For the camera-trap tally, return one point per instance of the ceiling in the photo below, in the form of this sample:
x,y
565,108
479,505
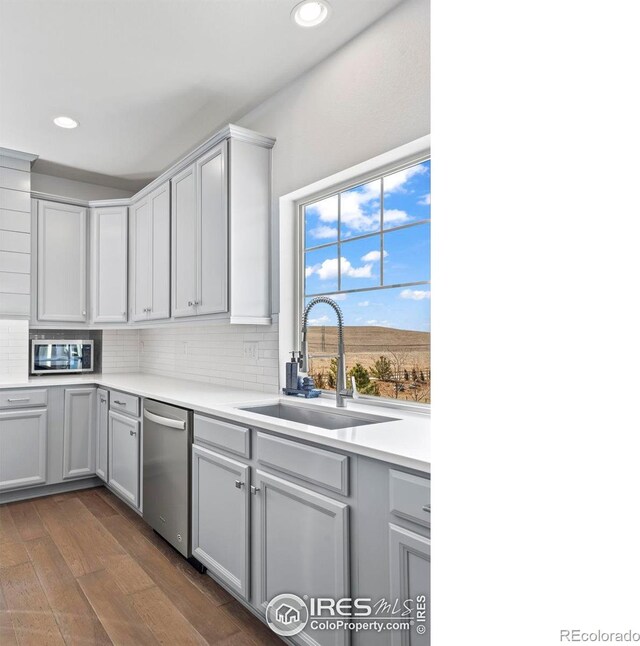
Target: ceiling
x,y
148,79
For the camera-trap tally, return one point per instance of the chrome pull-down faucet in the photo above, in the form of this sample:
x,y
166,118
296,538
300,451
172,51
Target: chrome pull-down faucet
x,y
341,379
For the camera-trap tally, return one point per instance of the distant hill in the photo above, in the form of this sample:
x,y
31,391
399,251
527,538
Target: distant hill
x,y
368,338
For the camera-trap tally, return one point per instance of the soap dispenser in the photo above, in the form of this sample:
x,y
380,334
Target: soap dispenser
x,y
292,373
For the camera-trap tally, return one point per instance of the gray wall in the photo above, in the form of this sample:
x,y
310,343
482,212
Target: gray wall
x,y
369,97
72,188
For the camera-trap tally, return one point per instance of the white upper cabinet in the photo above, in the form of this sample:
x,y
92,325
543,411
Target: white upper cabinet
x,y
62,262
184,243
211,217
220,228
109,264
199,233
150,249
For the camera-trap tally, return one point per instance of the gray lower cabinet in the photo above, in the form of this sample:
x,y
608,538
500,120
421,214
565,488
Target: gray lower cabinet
x,y
102,434
79,457
221,522
302,548
410,574
124,456
23,448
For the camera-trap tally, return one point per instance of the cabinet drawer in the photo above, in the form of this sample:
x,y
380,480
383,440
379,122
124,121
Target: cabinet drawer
x,y
309,463
21,398
129,404
410,497
222,435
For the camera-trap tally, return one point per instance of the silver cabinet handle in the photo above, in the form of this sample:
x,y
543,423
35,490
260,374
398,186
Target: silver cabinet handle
x,y
254,490
115,401
196,302
165,421
239,484
132,433
426,508
190,303
19,399
104,401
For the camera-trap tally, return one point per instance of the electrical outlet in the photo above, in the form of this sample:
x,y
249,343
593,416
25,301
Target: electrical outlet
x,y
251,350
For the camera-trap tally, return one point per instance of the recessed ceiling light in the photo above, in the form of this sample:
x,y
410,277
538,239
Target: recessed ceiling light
x,y
311,12
65,122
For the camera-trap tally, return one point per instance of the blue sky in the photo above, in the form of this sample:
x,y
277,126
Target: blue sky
x,y
406,257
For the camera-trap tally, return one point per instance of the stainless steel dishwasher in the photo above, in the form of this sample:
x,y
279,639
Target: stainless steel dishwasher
x,y
166,461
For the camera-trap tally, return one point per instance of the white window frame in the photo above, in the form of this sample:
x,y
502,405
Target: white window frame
x,y
291,247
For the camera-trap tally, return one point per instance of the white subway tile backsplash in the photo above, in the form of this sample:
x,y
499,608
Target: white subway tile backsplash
x,y
210,353
14,351
120,351
213,353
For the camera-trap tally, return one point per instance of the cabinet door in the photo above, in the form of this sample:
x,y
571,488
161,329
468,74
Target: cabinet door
x,y
302,548
23,448
124,456
410,575
160,253
184,247
212,234
62,262
102,434
79,432
220,522
142,259
150,251
109,265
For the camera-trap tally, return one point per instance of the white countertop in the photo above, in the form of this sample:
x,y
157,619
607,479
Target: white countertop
x,y
404,441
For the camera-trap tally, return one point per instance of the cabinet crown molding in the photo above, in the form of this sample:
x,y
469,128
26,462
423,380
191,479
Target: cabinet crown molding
x,y
230,131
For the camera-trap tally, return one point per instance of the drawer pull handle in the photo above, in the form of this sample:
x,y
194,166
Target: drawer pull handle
x,y
132,433
115,401
239,484
254,490
19,399
426,508
104,401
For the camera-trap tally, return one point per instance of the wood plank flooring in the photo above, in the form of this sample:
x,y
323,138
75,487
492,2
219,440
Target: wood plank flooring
x,y
82,568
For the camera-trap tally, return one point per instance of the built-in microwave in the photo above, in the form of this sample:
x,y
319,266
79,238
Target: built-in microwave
x,y
60,355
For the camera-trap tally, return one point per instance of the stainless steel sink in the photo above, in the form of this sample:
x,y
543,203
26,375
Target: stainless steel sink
x,y
320,418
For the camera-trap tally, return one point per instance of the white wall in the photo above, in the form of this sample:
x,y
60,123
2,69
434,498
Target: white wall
x,y
370,96
71,188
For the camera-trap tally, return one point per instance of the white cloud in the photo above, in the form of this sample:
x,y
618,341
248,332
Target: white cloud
x,y
323,232
373,256
329,269
395,183
395,216
376,322
360,207
321,320
338,297
363,304
425,200
415,294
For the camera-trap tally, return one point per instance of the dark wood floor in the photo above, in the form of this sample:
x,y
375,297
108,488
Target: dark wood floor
x,y
83,568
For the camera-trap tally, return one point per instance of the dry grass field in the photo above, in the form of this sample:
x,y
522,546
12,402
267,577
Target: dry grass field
x,y
408,354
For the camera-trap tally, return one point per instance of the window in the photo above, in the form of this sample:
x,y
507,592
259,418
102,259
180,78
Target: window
x,y
369,248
